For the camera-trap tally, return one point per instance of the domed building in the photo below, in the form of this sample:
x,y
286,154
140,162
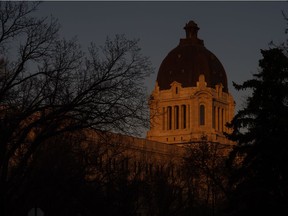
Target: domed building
x,y
191,98
190,104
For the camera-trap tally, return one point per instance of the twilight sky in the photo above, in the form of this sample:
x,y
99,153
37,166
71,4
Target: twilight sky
x,y
234,31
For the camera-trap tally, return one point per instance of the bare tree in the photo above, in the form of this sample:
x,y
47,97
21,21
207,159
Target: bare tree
x,y
205,174
49,86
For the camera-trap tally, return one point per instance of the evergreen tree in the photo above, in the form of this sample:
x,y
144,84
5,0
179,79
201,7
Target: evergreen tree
x,y
259,161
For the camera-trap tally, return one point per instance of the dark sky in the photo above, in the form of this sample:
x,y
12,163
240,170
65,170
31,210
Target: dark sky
x,y
234,31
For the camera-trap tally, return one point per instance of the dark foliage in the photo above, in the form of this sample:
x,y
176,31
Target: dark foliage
x,y
259,162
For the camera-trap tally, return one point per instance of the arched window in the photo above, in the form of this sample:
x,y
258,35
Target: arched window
x,y
214,117
219,120
183,111
176,108
169,118
202,114
222,120
163,118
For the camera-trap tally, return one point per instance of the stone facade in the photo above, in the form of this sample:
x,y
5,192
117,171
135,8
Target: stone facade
x,y
181,115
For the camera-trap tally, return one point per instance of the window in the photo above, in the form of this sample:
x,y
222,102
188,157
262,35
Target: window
x,y
183,116
202,115
213,117
163,119
176,90
222,120
183,111
176,109
169,118
218,116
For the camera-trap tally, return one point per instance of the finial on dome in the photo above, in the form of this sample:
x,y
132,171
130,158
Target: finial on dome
x,y
191,29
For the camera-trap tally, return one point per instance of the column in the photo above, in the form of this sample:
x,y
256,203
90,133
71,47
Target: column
x,y
223,119
216,118
163,118
169,118
220,119
176,117
172,118
180,117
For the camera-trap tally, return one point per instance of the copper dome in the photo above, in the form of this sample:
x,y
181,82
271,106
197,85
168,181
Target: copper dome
x,y
188,61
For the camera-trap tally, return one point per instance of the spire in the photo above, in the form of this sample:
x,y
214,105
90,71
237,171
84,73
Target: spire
x,y
191,29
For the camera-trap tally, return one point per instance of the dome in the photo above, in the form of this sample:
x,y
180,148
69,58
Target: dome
x,y
190,59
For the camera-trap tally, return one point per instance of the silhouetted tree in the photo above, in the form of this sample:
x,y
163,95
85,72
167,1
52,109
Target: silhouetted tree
x,y
54,180
205,177
49,86
259,161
